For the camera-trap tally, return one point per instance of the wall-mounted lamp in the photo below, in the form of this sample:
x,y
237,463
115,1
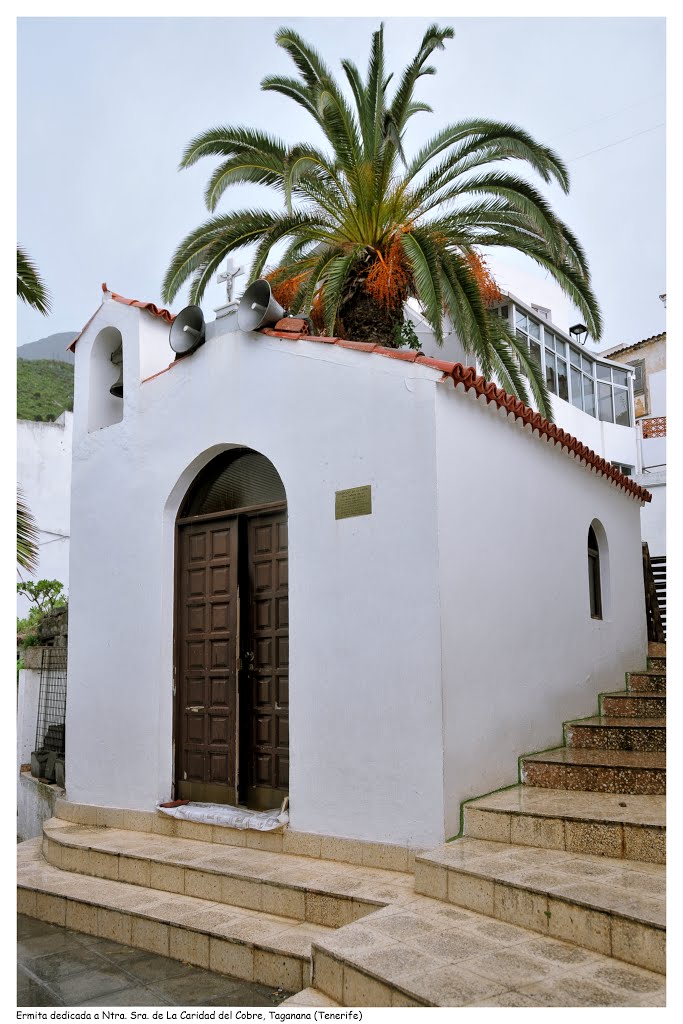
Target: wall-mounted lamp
x,y
577,330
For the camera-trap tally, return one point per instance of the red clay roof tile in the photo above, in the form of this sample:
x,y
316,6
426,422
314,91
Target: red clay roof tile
x,y
471,380
459,374
150,307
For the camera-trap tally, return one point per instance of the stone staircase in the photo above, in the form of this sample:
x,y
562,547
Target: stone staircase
x,y
553,895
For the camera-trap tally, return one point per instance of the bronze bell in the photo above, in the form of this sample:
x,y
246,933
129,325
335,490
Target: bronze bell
x,y
117,359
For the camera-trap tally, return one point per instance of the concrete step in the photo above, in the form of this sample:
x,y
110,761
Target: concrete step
x,y
250,945
606,824
614,907
631,704
616,733
597,771
317,891
430,953
649,681
284,840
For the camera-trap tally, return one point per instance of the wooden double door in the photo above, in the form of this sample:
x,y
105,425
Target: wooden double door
x,y
232,658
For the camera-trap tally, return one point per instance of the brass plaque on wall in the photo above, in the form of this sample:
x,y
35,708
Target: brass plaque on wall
x,y
355,501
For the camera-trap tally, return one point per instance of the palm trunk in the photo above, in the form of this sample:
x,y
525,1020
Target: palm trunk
x,y
362,318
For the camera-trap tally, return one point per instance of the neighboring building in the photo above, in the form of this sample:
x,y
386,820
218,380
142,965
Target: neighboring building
x,y
592,397
356,576
44,475
647,358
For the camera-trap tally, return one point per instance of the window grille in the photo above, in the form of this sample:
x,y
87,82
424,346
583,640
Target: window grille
x,y
52,701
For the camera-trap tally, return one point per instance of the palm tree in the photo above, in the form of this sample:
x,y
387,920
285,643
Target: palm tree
x,y
30,289
363,225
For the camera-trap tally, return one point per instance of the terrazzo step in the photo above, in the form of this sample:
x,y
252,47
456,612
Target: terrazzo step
x,y
614,907
657,663
309,997
656,650
429,953
631,704
650,681
602,733
596,771
250,945
317,891
607,824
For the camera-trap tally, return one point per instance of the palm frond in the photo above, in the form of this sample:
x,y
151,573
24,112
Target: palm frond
x,y
30,287
27,536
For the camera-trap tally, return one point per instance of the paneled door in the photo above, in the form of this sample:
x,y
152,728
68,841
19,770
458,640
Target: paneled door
x,y
206,660
232,658
265,656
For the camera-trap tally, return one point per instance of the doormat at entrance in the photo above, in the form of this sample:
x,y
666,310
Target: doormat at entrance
x,y
230,817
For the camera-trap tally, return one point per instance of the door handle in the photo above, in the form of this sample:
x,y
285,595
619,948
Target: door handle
x,y
195,708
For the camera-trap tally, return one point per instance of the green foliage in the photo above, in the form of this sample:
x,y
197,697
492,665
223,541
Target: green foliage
x,y
406,336
45,388
46,597
363,219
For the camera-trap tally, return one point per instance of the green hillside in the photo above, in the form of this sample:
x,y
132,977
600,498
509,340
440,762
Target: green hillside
x,y
45,388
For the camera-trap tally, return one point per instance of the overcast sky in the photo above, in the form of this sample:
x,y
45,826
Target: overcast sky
x,y
106,107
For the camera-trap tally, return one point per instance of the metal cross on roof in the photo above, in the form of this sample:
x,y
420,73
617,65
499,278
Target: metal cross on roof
x,y
229,275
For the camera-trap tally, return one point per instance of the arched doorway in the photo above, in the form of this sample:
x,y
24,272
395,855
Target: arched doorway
x,y
232,635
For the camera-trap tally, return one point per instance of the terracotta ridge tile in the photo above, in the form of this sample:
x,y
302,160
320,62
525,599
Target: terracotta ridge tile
x,y
468,377
150,307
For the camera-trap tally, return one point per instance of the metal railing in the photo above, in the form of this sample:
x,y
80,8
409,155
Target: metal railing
x,y
655,627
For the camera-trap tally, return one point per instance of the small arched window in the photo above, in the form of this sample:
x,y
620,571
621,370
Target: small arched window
x,y
594,587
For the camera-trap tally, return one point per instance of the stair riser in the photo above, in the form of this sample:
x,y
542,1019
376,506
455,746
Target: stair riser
x,y
657,663
601,838
249,962
639,682
594,778
656,650
601,737
633,707
329,909
350,986
635,942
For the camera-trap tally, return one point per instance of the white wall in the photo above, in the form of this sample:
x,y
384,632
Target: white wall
x,y
654,448
365,700
520,650
28,697
44,475
609,440
653,514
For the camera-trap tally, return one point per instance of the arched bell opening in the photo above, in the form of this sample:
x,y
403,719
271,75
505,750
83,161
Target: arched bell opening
x,y
232,634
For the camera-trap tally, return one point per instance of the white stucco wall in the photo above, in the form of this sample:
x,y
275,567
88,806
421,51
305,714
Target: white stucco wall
x,y
44,475
654,448
382,607
520,650
365,699
28,697
653,515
